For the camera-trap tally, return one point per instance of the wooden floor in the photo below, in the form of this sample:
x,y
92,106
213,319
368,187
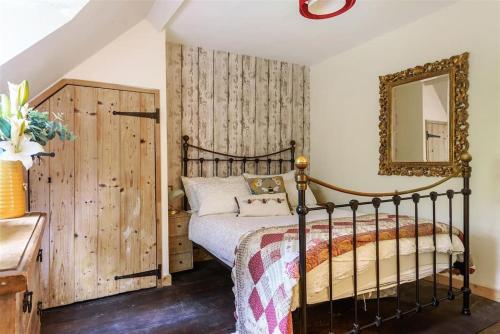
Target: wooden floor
x,y
201,301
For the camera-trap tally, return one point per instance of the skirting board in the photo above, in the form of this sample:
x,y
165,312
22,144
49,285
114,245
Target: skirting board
x,y
476,289
166,280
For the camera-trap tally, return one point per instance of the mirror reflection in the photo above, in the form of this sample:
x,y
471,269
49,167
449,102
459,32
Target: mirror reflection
x,y
421,120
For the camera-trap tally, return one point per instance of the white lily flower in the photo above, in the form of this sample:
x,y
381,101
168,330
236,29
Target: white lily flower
x,y
26,149
18,95
24,111
5,106
18,126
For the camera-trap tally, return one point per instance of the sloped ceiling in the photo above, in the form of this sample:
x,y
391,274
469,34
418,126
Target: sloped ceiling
x,y
97,24
271,29
274,29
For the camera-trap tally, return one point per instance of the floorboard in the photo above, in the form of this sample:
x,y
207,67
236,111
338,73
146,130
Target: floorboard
x,y
201,301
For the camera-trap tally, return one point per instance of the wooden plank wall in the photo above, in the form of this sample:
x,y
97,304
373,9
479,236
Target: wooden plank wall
x,y
233,103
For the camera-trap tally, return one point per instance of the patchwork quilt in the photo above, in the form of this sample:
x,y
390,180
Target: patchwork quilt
x,y
266,267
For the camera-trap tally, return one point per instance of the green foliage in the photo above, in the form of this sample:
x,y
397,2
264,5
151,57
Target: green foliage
x,y
42,129
4,129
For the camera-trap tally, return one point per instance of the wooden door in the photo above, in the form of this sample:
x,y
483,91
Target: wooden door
x,y
102,194
437,142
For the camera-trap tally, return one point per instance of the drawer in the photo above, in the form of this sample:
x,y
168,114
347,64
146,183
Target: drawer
x,y
180,262
177,227
180,244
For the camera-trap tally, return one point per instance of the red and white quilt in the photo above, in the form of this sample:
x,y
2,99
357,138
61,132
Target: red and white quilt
x,y
266,265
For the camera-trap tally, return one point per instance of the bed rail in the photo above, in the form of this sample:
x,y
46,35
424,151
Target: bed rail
x,y
377,198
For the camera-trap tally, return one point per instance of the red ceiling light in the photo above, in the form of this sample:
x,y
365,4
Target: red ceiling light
x,y
304,10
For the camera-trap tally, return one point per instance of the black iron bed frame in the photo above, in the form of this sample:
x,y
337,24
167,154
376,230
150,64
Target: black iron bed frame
x,y
376,200
302,180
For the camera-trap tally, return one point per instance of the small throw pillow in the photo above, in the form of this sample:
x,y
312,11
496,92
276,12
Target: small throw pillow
x,y
263,205
218,197
266,185
291,188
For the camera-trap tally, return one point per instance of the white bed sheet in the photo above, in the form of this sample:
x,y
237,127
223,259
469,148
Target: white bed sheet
x,y
220,234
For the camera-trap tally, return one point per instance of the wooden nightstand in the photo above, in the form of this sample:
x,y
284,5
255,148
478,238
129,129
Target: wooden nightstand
x,y
180,247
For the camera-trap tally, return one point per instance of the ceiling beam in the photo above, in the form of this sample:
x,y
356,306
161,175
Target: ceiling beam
x,y
162,11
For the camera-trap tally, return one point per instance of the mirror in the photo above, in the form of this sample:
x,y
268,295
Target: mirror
x,y
423,118
420,120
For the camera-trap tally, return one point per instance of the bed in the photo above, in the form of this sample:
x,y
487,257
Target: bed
x,y
221,234
270,256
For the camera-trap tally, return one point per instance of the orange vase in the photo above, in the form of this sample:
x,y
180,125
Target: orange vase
x,y
12,194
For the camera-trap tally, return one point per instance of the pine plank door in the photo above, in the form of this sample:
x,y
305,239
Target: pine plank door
x,y
137,229
102,195
437,142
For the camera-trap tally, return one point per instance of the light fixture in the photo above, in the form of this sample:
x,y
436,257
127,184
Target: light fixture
x,y
173,194
304,9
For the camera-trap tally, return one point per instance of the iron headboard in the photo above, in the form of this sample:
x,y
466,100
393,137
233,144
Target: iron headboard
x,y
234,160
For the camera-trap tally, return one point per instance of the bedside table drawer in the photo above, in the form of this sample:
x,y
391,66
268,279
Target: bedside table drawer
x,y
180,262
177,227
180,244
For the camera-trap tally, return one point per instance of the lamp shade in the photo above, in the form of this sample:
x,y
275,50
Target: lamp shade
x,y
175,194
304,10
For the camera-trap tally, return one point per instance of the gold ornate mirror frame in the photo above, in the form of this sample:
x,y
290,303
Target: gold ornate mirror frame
x,y
458,69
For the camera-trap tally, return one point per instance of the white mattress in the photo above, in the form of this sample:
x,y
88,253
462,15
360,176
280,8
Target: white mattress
x,y
317,279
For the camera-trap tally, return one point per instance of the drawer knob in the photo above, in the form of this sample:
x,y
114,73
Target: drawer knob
x,y
180,243
179,226
180,262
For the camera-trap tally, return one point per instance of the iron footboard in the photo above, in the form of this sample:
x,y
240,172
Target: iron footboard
x,y
396,198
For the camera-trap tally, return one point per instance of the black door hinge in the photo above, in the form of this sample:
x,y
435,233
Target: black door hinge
x,y
430,135
27,301
39,257
154,272
44,154
49,180
153,115
39,309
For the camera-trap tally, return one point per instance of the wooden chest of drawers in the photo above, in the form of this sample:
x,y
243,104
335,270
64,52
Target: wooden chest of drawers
x,y
180,247
20,258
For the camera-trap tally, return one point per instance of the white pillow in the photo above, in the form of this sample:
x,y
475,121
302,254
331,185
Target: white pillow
x,y
190,184
263,205
291,188
218,197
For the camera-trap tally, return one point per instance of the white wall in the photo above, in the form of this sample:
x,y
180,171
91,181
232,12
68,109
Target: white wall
x,y
136,58
345,109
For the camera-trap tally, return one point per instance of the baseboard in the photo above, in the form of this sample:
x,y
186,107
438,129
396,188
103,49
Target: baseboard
x,y
479,290
166,280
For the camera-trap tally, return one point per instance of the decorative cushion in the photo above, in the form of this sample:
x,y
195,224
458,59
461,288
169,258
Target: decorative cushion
x,y
266,185
218,197
291,188
263,205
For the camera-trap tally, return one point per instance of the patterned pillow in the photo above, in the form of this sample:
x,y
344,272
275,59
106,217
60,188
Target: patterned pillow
x,y
266,185
263,205
290,187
